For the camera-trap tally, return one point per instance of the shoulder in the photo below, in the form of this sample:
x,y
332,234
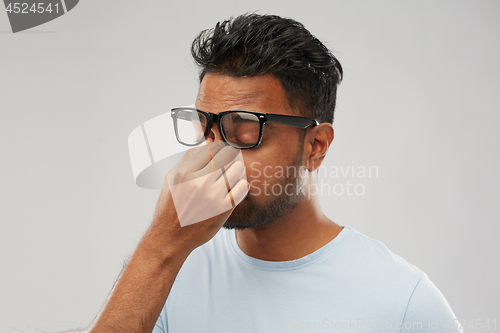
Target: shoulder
x,y
428,308
376,256
393,275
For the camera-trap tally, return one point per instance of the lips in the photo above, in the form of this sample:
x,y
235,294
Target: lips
x,y
26,14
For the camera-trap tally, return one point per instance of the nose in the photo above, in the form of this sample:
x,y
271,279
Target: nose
x,y
213,134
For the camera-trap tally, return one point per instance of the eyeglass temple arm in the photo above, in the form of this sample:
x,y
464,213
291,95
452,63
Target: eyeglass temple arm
x,y
282,119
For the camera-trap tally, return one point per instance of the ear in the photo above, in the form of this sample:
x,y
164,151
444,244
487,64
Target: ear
x,y
320,138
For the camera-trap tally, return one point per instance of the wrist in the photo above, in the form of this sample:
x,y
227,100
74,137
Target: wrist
x,y
162,245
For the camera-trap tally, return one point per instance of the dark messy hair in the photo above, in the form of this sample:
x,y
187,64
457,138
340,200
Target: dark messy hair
x,y
253,44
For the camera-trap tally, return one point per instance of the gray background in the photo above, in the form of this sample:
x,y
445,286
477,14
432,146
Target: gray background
x,y
420,101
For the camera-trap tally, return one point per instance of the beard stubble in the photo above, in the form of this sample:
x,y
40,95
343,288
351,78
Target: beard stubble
x,y
250,214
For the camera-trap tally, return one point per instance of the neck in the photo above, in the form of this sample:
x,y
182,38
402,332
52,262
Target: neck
x,y
297,234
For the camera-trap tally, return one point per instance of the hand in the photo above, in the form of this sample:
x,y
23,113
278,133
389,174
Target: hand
x,y
200,193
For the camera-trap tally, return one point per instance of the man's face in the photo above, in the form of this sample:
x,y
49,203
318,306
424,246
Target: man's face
x,y
280,151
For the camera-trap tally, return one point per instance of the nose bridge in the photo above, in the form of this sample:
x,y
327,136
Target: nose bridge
x,y
213,131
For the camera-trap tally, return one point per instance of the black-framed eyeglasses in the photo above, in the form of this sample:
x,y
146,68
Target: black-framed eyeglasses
x,y
238,128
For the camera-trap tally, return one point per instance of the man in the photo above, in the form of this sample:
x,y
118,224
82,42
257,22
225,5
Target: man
x,y
274,262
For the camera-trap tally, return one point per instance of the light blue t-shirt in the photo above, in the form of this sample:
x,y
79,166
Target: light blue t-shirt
x,y
352,284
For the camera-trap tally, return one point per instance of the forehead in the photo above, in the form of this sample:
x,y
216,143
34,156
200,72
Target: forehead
x,y
263,93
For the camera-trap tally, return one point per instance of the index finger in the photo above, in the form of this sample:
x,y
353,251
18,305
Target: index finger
x,y
200,156
224,158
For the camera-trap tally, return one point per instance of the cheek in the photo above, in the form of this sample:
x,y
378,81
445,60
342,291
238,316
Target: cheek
x,y
262,176
267,164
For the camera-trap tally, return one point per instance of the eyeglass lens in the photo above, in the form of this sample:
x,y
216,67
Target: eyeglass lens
x,y
241,129
190,126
